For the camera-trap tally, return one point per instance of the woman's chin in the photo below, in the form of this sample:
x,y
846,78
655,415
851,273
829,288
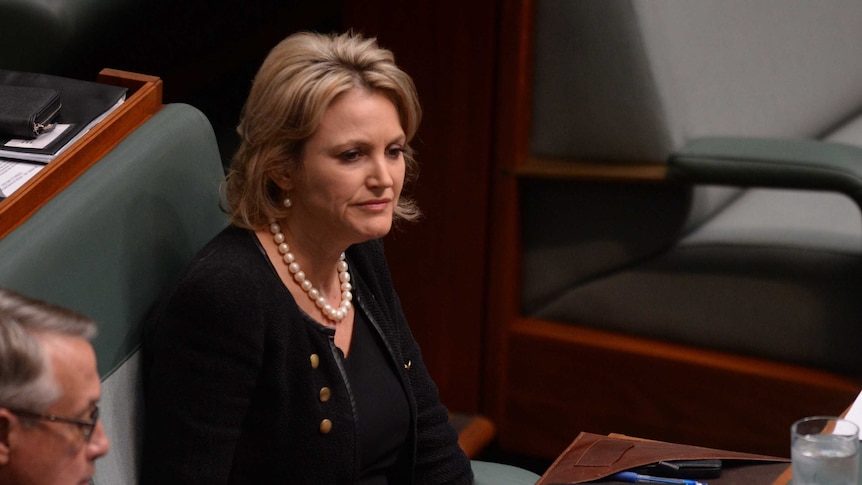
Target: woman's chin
x,y
377,231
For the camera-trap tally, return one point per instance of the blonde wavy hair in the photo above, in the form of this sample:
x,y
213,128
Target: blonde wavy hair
x,y
295,85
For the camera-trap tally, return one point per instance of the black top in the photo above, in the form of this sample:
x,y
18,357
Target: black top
x,y
233,370
382,414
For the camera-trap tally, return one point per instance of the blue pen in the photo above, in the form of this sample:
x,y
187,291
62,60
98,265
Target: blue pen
x,y
632,477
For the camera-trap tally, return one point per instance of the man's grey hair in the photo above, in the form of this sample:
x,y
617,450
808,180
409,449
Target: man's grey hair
x,y
26,378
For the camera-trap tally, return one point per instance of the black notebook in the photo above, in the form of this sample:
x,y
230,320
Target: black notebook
x,y
84,103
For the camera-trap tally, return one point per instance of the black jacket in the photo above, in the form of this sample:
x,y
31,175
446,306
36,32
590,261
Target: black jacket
x,y
231,393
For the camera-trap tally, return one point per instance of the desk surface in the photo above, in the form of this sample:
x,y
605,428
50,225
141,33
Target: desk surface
x,y
144,100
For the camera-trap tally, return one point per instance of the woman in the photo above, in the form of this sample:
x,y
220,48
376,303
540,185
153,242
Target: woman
x,y
282,354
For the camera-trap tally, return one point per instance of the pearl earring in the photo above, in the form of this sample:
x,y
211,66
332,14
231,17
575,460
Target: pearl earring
x,y
287,202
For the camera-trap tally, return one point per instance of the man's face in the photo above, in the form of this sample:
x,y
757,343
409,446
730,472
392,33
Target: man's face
x,y
43,452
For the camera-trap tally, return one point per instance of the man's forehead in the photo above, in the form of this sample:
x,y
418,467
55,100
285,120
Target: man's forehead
x,y
73,363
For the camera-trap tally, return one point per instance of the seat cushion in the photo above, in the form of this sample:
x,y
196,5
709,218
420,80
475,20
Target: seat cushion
x,y
489,473
785,304
808,220
775,274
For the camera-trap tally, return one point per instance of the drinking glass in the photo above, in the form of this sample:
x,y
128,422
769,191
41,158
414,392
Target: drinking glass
x,y
824,451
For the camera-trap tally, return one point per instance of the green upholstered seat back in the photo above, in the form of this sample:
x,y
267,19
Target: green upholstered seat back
x,y
109,243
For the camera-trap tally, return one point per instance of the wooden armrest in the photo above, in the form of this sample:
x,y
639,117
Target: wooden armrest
x,y
475,432
585,170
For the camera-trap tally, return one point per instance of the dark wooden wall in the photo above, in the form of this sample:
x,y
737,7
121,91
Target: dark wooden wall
x,y
440,264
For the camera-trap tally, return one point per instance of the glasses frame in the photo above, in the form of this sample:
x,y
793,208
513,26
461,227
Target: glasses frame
x,y
86,426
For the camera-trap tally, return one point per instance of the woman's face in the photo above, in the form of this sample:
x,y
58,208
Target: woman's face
x,y
352,171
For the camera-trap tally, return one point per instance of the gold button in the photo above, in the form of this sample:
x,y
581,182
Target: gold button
x,y
315,361
325,393
325,426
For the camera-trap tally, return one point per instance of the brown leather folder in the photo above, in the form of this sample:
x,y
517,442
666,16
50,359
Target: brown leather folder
x,y
593,457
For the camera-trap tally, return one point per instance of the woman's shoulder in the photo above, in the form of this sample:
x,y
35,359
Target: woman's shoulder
x,y
230,243
233,247
229,280
232,260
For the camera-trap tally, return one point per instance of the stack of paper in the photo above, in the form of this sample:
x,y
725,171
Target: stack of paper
x,y
854,414
84,104
14,174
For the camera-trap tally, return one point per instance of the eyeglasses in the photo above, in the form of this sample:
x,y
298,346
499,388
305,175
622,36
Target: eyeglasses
x,y
86,426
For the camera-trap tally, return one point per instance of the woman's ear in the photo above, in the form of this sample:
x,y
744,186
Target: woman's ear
x,y
281,176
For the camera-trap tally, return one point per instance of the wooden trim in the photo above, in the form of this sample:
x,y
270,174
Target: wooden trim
x,y
683,354
599,171
475,432
144,100
511,146
784,478
565,379
134,82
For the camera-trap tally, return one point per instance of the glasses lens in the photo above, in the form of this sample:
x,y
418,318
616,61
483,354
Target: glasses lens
x,y
86,426
94,418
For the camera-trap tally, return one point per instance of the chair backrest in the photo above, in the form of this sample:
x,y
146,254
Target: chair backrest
x,y
633,79
619,81
109,243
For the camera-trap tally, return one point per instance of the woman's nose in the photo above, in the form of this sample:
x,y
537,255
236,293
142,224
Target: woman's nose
x,y
380,172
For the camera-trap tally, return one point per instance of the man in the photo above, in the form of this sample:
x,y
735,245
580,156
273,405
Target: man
x,y
49,393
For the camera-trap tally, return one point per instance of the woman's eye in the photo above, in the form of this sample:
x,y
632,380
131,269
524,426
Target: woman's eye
x,y
396,152
350,155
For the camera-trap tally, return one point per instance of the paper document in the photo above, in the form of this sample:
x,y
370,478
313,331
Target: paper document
x,y
855,413
41,141
15,174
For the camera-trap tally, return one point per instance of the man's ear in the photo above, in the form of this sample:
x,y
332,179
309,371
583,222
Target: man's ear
x,y
6,422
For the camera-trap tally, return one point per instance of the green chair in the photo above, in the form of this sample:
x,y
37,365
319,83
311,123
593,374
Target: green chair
x,y
109,243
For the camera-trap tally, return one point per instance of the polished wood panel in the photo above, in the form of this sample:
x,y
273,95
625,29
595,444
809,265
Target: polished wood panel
x,y
144,100
593,171
564,379
511,148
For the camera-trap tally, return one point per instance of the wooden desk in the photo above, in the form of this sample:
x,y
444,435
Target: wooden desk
x,y
143,101
784,478
594,457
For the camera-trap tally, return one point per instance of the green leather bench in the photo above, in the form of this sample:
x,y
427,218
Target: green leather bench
x,y
107,245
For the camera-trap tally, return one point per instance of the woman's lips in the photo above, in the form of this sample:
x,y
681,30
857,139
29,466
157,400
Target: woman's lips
x,y
375,204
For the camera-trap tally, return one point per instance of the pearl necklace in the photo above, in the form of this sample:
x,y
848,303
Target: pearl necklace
x,y
333,314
